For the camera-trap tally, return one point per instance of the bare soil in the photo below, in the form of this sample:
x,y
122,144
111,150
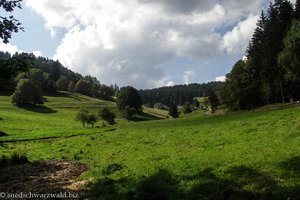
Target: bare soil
x,y
43,177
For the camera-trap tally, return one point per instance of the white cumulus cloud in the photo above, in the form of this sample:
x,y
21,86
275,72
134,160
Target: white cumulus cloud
x,y
221,78
37,53
129,42
236,40
188,77
10,48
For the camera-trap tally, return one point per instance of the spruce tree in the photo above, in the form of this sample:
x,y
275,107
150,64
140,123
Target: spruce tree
x,y
278,23
297,10
289,59
173,111
255,55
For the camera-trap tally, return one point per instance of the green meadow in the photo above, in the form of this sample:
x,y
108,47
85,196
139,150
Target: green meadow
x,y
240,155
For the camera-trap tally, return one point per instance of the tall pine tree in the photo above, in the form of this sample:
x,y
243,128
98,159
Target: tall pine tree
x,y
261,80
297,10
278,23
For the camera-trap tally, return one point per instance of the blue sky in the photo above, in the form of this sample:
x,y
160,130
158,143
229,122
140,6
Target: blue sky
x,y
143,43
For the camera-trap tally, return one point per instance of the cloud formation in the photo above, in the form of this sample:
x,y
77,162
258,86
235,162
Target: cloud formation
x,y
9,48
221,78
188,77
129,42
12,49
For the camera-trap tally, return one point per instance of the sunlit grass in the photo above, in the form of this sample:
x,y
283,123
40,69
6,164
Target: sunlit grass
x,y
236,150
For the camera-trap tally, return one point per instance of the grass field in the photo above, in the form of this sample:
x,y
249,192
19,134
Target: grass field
x,y
245,155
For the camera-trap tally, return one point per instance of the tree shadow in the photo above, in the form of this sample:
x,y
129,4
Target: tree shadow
x,y
38,109
161,185
238,183
3,134
144,117
291,166
76,96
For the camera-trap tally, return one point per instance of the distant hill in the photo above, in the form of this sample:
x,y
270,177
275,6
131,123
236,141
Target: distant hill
x,y
49,75
179,93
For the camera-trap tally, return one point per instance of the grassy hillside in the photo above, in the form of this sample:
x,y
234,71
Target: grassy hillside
x,y
242,155
54,119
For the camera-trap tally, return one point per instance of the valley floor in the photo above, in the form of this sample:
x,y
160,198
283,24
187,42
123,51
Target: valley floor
x,y
243,155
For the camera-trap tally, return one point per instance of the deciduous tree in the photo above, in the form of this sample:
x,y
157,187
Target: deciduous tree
x,y
106,115
83,116
27,93
84,87
129,98
187,108
9,25
62,83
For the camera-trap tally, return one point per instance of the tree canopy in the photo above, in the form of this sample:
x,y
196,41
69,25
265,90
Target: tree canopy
x,y
129,96
178,93
27,93
173,110
10,24
107,115
265,77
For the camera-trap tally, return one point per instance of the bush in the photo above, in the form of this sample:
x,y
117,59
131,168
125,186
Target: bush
x,y
213,101
92,119
106,115
27,93
128,112
196,103
83,116
187,108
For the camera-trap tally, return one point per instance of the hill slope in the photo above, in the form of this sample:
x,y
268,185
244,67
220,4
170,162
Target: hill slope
x,y
242,155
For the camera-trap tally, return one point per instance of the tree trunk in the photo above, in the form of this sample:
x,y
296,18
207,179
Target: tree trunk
x,y
281,90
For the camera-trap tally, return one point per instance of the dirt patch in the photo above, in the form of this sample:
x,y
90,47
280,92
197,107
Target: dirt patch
x,y
43,177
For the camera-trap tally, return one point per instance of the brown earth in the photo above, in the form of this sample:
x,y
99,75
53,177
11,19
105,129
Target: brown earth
x,y
44,177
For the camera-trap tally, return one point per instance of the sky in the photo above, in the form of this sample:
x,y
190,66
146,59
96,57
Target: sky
x,y
142,43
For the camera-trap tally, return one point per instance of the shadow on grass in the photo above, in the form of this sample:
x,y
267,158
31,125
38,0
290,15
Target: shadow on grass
x,y
291,167
238,183
67,95
38,109
144,117
3,134
76,96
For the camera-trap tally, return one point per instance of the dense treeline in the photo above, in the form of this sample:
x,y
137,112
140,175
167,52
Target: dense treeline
x,y
179,93
49,76
271,72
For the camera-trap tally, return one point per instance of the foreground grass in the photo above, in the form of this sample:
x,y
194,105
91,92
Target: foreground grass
x,y
239,156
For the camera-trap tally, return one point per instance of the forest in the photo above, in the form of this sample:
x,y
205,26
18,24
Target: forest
x,y
271,72
49,76
179,93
